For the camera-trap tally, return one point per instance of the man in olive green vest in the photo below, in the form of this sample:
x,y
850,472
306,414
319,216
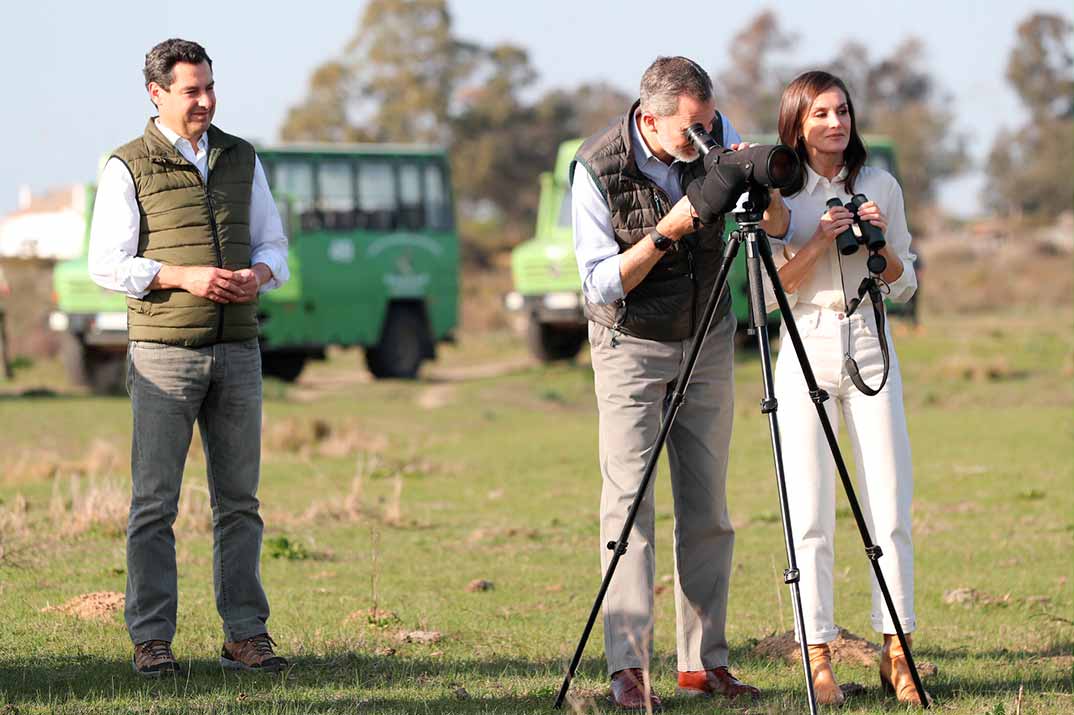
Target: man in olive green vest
x,y
184,224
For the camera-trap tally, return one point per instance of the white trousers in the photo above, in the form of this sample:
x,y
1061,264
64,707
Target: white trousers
x,y
883,470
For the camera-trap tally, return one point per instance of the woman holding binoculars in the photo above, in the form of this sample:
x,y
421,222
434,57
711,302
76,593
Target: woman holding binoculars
x,y
816,119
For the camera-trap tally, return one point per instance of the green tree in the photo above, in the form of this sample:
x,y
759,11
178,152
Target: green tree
x,y
754,82
1041,64
897,96
395,81
1030,172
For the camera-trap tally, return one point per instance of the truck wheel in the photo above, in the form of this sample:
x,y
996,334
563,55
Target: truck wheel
x,y
107,371
402,345
286,366
73,357
104,372
552,342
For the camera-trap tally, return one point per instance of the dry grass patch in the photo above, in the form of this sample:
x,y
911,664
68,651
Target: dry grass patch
x,y
980,370
89,503
317,436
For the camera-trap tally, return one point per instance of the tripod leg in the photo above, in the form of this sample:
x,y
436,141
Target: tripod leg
x,y
769,407
872,551
682,382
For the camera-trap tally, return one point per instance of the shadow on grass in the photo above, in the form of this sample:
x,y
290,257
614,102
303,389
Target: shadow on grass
x,y
374,681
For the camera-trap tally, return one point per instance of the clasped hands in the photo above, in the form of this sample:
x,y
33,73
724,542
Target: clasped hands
x,y
221,285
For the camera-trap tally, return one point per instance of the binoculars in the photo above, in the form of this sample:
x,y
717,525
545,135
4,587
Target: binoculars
x,y
859,233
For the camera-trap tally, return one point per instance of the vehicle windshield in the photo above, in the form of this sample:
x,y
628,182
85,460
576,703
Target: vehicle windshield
x,y
564,220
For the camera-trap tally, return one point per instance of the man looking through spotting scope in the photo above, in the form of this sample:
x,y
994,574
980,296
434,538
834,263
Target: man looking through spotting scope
x,y
648,268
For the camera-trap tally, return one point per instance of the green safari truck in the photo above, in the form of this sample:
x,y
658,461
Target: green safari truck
x,y
373,256
547,289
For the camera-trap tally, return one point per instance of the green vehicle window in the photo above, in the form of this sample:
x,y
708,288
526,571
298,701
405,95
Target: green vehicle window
x,y
335,183
376,195
411,213
335,194
294,179
437,208
564,220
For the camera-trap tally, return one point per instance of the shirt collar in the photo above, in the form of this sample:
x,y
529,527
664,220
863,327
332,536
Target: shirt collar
x,y
203,143
812,178
641,149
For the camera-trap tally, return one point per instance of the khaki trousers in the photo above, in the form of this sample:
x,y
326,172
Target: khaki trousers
x,y
633,380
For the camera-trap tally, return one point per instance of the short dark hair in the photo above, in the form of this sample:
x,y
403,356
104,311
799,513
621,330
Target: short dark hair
x,y
160,61
793,107
667,79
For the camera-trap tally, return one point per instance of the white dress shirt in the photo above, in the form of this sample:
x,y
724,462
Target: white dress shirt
x,y
113,249
595,248
834,272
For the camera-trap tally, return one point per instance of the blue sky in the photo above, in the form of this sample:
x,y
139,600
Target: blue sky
x,y
75,88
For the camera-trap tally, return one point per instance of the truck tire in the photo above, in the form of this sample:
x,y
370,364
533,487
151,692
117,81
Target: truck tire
x,y
286,366
104,372
549,342
5,361
73,357
402,346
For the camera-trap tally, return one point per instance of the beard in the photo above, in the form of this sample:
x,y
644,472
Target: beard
x,y
685,154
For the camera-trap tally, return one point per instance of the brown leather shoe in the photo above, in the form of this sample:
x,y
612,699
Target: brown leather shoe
x,y
254,654
153,659
825,688
895,674
629,692
715,681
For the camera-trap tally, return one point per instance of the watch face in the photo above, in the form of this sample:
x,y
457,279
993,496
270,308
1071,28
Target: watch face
x,y
661,242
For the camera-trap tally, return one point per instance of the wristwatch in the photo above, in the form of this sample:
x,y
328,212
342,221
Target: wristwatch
x,y
662,242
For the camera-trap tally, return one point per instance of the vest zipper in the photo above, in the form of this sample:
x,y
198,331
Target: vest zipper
x,y
693,292
216,247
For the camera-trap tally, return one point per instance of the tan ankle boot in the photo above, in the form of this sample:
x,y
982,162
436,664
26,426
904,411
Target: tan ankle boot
x,y
825,688
895,674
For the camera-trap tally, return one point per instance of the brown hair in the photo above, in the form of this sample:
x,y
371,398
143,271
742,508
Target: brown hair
x,y
793,107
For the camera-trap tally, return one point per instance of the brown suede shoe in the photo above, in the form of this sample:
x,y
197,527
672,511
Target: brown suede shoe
x,y
252,654
629,692
153,659
895,674
825,688
715,681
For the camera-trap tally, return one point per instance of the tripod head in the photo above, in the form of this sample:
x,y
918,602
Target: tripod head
x,y
751,206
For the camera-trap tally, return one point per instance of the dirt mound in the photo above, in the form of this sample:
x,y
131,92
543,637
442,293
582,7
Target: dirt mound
x,y
847,648
90,606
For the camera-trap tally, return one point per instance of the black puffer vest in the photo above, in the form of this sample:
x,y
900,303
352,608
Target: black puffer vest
x,y
670,301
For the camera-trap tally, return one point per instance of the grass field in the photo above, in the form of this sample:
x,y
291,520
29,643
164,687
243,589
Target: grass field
x,y
384,501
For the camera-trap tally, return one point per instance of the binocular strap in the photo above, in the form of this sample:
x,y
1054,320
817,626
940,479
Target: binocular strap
x,y
851,365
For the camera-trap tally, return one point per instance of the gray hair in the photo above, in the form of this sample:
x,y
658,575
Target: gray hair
x,y
667,79
160,61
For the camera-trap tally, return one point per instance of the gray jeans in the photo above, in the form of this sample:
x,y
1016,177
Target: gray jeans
x,y
170,387
634,378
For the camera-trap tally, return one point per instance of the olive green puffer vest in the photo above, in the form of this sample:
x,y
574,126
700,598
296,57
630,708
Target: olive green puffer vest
x,y
187,222
670,301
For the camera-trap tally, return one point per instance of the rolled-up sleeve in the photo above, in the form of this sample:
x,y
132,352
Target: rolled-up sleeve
x,y
898,237
268,242
113,257
595,248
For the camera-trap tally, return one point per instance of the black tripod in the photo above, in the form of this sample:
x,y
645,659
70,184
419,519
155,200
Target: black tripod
x,y
757,251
